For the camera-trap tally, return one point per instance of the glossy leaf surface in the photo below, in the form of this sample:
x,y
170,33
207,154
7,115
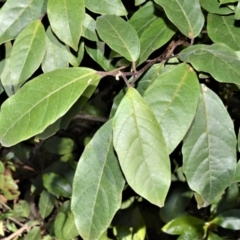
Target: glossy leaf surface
x,y
67,25
173,97
187,16
217,59
98,185
52,94
119,35
16,15
217,25
136,130
209,149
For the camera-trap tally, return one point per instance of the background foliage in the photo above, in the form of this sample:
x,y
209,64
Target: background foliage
x,y
119,119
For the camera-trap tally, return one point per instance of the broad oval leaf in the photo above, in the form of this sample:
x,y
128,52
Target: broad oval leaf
x,y
46,204
214,7
114,7
16,15
97,185
173,97
27,55
41,102
141,148
209,149
56,55
223,29
119,35
66,18
154,37
186,15
217,59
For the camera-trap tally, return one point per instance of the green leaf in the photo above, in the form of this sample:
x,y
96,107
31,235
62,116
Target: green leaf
x,y
217,25
139,2
209,149
187,16
56,55
154,37
173,97
119,35
27,55
184,224
16,15
89,28
176,202
217,59
57,185
68,15
237,12
114,7
69,229
141,148
34,233
75,58
213,236
237,174
228,219
97,186
52,94
46,204
143,18
214,7
227,1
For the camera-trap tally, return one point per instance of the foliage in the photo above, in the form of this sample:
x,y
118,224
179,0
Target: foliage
x,y
119,119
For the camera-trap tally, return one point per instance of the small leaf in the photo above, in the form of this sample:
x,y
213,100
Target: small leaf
x,y
237,11
21,119
34,233
184,224
214,7
27,55
16,15
209,149
139,2
114,7
89,28
98,185
217,25
68,15
187,16
217,59
69,229
229,219
136,130
56,55
173,97
227,1
154,37
46,204
119,35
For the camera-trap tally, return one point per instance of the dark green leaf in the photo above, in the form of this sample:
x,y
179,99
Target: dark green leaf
x,y
97,186
119,35
223,29
46,204
27,55
136,130
16,15
214,7
173,97
187,16
209,149
52,94
217,59
114,7
68,15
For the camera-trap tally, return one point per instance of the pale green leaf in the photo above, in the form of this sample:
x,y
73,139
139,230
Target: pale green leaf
x,y
237,11
141,148
16,15
27,54
56,55
46,204
209,149
173,97
119,35
186,15
213,6
34,233
143,18
41,102
114,7
89,28
217,59
154,37
139,2
66,18
97,185
223,29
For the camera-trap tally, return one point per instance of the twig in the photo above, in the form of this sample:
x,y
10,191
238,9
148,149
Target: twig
x,y
17,233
